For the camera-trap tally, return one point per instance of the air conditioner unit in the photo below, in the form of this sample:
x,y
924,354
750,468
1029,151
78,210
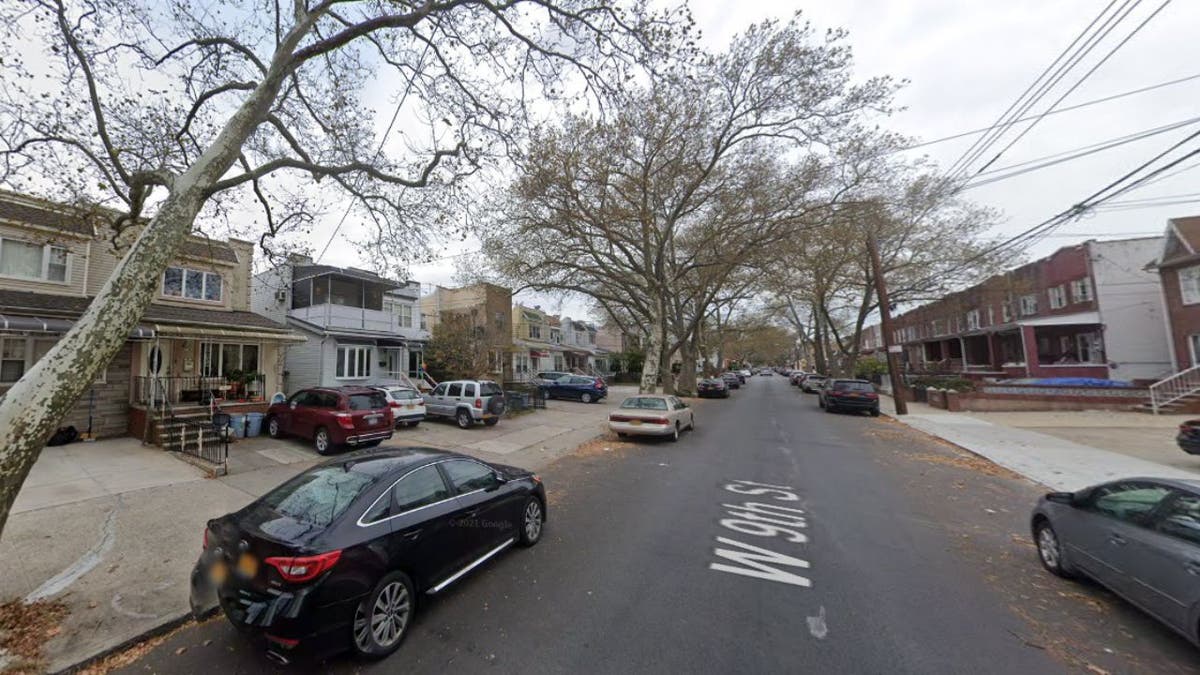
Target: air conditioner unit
x,y
281,295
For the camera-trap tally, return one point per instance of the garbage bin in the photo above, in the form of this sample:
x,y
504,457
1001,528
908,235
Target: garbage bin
x,y
238,424
253,424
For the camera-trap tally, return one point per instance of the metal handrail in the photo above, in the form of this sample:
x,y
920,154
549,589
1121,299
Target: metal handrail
x,y
1175,387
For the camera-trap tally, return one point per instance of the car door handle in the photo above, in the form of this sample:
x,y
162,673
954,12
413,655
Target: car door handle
x,y
1116,539
1193,567
411,535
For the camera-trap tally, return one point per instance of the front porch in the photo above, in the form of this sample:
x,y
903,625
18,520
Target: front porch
x,y
1043,351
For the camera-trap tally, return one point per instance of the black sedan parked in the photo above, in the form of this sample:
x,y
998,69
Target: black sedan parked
x,y
1140,537
1188,438
856,395
335,558
712,387
732,380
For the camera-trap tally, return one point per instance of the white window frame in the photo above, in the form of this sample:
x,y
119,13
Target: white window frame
x,y
28,349
535,332
45,266
1081,289
404,314
216,351
1093,344
973,320
183,297
1058,297
1029,304
347,357
991,316
1189,285
1006,311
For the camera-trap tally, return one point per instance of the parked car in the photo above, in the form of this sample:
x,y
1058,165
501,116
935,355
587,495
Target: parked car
x,y
336,557
1188,438
767,372
333,417
796,377
812,383
745,372
1140,537
408,407
467,402
652,415
712,387
549,376
582,387
857,395
732,380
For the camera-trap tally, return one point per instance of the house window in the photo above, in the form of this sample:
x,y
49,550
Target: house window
x,y
1081,289
556,336
1006,312
353,362
12,359
1058,297
1029,305
1189,285
535,332
991,316
219,359
973,319
181,282
1090,348
424,325
33,261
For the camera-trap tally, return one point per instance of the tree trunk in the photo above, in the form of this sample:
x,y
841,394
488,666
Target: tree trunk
x,y
685,384
33,408
650,365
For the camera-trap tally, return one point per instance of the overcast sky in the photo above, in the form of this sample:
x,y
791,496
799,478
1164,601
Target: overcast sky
x,y
967,61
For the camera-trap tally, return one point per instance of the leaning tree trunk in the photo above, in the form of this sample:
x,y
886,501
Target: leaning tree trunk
x,y
685,384
650,365
34,407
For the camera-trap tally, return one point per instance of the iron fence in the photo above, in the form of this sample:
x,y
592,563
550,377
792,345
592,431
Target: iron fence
x,y
523,396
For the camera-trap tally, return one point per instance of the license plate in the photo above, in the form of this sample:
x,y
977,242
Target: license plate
x,y
410,406
635,422
372,419
247,565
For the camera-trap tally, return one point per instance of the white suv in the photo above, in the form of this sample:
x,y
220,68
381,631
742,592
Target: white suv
x,y
466,402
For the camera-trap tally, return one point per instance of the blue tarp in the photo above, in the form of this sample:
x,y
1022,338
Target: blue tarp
x,y
1071,382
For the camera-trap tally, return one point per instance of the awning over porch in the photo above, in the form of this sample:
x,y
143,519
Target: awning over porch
x,y
54,326
222,332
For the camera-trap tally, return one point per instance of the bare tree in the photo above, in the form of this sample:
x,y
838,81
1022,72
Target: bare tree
x,y
164,109
652,212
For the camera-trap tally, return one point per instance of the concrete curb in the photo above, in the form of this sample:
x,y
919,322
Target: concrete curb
x,y
166,626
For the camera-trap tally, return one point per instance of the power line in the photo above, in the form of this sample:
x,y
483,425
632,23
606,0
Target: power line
x,y
1081,80
999,174
382,140
1077,106
1000,122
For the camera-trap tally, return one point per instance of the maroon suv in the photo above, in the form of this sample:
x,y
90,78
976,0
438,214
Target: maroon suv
x,y
333,417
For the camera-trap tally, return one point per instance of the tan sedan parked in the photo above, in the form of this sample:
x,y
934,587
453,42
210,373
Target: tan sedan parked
x,y
652,415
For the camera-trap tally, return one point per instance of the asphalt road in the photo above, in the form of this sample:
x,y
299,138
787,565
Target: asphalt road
x,y
897,554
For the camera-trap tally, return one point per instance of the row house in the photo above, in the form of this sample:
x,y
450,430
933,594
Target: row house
x,y
488,307
537,342
1179,269
582,352
358,327
1090,310
198,340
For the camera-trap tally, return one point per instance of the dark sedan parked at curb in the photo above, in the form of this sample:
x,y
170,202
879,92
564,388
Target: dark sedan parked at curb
x,y
333,417
1188,438
856,395
712,387
584,388
732,380
1139,537
337,557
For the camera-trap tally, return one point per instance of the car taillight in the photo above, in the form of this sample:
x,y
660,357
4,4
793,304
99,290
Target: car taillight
x,y
658,420
599,384
536,478
872,395
345,420
305,568
393,404
479,403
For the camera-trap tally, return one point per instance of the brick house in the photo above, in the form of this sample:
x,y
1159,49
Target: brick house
x,y
490,310
1179,270
1089,310
198,340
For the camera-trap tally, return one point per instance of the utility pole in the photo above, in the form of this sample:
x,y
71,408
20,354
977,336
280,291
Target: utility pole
x,y
885,326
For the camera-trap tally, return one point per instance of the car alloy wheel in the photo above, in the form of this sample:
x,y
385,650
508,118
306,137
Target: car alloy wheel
x,y
531,527
464,419
585,397
321,441
692,424
381,620
1050,549
675,432
273,427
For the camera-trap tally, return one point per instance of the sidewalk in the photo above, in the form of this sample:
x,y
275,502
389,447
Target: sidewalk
x,y
1062,450
112,528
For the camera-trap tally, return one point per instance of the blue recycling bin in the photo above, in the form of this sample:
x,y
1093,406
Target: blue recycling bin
x,y
254,422
237,424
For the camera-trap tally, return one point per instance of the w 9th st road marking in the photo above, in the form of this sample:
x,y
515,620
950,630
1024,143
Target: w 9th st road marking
x,y
765,519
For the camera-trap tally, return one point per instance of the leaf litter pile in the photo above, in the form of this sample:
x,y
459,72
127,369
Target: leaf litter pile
x,y
24,630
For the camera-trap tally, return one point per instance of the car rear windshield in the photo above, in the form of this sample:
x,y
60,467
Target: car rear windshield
x,y
642,403
320,495
853,386
490,389
367,401
405,395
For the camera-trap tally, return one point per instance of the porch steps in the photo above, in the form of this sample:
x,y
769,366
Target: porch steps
x,y
1176,390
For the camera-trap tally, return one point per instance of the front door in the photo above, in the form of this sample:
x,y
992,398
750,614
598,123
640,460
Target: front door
x,y
393,361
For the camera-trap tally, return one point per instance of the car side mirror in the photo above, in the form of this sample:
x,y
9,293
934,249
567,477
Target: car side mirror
x,y
499,480
1067,498
292,405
